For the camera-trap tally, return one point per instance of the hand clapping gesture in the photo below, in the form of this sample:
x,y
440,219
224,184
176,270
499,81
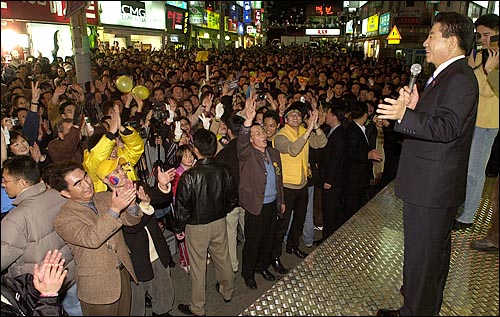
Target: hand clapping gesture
x,y
49,276
122,197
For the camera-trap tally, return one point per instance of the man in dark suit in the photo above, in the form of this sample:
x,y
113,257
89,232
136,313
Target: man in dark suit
x,y
433,166
331,172
359,157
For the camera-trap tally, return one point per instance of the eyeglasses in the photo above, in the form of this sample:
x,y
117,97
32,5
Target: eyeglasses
x,y
9,180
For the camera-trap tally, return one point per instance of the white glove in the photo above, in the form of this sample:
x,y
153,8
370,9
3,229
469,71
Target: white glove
x,y
177,131
205,121
171,114
219,111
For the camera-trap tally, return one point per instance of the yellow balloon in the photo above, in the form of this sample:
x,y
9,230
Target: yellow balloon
x,y
124,84
141,92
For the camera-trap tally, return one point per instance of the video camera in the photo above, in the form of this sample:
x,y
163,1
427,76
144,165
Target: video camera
x,y
142,131
233,84
160,113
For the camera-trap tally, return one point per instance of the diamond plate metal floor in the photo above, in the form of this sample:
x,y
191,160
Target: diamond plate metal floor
x,y
359,269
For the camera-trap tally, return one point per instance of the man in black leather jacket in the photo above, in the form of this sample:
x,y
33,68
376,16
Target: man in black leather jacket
x,y
205,194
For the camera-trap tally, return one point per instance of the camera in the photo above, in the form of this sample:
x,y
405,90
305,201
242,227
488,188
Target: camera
x,y
159,112
142,131
261,96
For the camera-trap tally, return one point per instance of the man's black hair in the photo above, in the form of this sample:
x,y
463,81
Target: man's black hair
x,y
23,167
206,142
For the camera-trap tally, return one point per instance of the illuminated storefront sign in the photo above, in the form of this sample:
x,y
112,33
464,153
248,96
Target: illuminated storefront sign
x,y
372,27
196,12
46,11
176,20
211,19
148,14
178,4
384,23
323,32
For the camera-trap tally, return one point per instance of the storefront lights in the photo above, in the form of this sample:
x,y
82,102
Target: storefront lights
x,y
206,35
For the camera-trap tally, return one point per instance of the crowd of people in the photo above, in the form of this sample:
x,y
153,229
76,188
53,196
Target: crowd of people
x,y
239,147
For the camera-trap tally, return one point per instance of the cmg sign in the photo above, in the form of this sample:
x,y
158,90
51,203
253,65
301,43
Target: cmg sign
x,y
133,10
140,14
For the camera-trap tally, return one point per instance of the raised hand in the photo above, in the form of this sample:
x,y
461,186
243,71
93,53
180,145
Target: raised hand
x,y
165,177
141,194
35,92
49,276
122,197
178,131
205,121
219,111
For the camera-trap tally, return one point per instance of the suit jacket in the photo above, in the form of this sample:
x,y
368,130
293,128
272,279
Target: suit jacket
x,y
253,175
433,165
332,160
358,168
98,247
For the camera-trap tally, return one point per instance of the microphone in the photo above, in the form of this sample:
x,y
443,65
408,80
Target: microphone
x,y
415,71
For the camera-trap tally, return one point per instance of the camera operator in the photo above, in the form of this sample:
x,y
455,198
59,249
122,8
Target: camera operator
x,y
486,127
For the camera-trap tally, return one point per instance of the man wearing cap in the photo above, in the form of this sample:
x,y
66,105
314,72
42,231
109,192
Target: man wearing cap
x,y
293,142
90,224
118,141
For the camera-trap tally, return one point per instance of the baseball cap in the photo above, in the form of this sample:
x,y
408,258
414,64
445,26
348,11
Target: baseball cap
x,y
109,165
295,107
68,68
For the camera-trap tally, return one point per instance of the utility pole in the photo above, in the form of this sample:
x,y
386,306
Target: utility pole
x,y
222,39
81,46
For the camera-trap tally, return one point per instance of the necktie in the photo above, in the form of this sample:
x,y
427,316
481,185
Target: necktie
x,y
429,81
92,206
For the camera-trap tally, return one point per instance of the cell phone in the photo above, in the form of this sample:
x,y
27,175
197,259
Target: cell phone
x,y
494,41
493,44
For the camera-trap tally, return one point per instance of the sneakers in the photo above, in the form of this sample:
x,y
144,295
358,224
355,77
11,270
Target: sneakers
x,y
484,245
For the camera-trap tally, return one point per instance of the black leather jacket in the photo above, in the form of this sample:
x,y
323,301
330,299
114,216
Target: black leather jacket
x,y
206,193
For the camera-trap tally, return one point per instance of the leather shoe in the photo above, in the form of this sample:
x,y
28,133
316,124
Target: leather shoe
x,y
484,245
298,253
276,263
217,286
388,312
318,242
268,275
457,225
250,282
185,310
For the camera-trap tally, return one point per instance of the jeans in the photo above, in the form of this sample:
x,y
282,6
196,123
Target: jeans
x,y
308,231
71,303
480,150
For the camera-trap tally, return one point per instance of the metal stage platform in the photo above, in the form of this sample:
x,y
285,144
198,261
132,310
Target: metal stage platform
x,y
359,269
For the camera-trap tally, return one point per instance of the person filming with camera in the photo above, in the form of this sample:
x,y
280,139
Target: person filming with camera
x,y
486,127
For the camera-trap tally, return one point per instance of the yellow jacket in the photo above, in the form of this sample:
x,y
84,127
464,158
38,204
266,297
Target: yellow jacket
x,y
487,110
294,167
132,151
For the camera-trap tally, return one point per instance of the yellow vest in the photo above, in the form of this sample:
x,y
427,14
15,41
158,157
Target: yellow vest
x,y
294,168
